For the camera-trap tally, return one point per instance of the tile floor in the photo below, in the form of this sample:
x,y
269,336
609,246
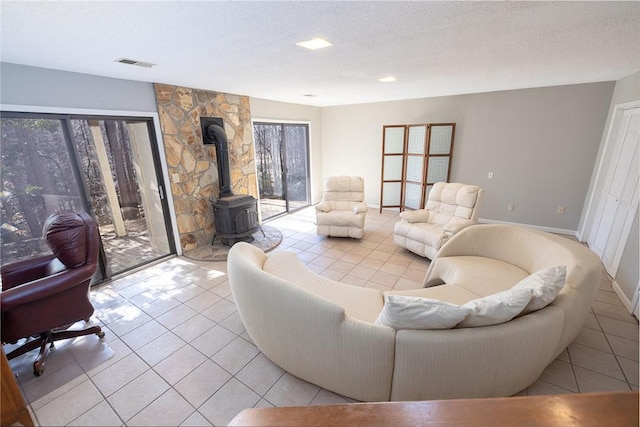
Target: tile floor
x,y
176,352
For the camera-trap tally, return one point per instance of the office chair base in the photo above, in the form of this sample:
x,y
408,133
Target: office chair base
x,y
46,342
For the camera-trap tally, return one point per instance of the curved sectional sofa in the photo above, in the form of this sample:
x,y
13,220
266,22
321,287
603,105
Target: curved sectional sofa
x,y
325,332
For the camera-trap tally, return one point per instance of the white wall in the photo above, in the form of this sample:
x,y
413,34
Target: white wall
x,y
286,112
541,145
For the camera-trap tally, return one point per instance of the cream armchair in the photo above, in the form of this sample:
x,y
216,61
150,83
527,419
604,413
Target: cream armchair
x,y
450,208
342,210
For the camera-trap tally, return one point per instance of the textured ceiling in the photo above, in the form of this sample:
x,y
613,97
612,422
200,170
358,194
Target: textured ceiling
x,y
248,48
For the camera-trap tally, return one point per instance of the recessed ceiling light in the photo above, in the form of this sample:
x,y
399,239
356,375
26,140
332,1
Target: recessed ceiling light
x,y
135,62
310,95
387,79
314,44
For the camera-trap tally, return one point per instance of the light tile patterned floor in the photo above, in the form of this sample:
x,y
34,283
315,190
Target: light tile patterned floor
x,y
176,352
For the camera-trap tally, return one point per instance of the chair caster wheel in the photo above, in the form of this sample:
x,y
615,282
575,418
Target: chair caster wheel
x,y
100,334
37,373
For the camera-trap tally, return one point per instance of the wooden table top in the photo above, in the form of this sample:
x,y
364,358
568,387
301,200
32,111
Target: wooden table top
x,y
617,409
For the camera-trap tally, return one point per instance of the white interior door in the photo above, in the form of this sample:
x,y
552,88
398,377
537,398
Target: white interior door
x,y
618,201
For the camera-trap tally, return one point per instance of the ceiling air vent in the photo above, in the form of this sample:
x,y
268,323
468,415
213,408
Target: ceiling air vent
x,y
134,62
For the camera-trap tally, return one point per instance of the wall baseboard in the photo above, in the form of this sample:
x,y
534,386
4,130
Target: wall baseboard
x,y
492,221
537,227
370,206
628,304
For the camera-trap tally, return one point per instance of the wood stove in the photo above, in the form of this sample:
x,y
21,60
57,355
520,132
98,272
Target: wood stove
x,y
235,216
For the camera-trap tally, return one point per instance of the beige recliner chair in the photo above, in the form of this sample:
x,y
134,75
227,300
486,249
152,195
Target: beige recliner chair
x,y
450,208
342,210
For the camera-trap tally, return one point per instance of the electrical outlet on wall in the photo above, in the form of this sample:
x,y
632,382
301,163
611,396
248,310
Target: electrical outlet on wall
x,y
176,178
560,209
510,207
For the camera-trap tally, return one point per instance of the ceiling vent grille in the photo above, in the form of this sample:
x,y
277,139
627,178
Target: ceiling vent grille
x,y
134,62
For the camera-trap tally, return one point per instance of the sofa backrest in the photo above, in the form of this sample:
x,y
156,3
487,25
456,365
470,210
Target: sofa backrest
x,y
533,250
453,199
526,248
343,191
308,335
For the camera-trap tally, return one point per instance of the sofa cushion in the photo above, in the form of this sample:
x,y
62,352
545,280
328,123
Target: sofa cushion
x,y
345,218
481,275
407,312
496,308
423,232
545,285
358,302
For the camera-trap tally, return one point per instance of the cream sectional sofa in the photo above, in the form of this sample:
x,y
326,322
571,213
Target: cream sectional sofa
x,y
324,331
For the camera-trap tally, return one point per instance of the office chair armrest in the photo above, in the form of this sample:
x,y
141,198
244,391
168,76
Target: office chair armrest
x,y
24,271
46,287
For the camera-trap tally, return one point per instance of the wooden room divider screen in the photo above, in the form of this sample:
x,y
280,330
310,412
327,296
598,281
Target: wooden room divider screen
x,y
414,157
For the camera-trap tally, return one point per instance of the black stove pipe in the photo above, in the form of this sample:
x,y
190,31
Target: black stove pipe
x,y
213,133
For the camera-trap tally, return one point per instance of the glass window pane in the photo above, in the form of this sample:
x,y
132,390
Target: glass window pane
x,y
36,182
440,139
110,171
415,143
391,193
268,139
282,157
394,140
392,168
438,169
117,162
412,195
414,168
296,159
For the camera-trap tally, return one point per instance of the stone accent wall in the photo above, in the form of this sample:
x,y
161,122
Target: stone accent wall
x,y
192,166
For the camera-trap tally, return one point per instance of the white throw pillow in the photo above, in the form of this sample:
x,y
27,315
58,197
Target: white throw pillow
x,y
408,312
545,285
496,308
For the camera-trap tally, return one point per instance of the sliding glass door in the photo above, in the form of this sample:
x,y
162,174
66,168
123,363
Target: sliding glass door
x,y
38,177
282,157
104,166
